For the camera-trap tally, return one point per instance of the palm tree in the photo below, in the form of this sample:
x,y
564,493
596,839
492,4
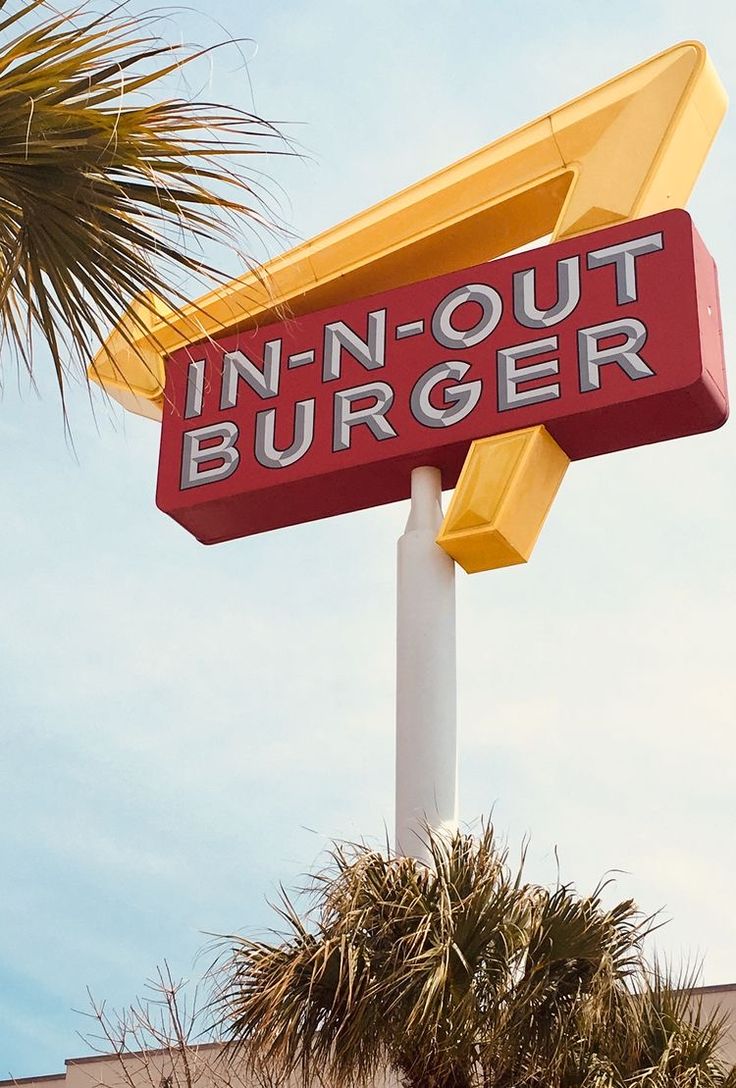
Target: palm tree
x,y
106,193
461,975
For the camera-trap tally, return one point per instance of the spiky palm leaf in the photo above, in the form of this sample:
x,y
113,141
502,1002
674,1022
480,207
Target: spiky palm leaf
x,y
105,194
461,975
677,1045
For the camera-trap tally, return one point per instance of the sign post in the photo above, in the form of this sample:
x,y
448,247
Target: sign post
x,y
426,691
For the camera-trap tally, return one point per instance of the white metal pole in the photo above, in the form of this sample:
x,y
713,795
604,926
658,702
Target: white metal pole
x,y
426,699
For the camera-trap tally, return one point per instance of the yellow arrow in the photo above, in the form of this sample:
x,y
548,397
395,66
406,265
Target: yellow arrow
x,y
631,147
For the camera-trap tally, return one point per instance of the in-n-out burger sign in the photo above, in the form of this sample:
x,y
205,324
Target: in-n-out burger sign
x,y
610,340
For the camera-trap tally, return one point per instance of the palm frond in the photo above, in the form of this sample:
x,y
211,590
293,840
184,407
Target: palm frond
x,y
105,194
677,1043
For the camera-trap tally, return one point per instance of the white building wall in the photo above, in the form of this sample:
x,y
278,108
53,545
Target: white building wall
x,y
150,1069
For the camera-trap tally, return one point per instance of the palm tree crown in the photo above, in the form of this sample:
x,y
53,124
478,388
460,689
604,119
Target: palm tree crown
x,y
462,975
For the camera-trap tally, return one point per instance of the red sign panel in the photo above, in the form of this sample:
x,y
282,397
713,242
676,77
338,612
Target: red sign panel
x,y
610,340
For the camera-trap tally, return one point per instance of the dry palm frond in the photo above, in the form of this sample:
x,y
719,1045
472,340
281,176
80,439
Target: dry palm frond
x,y
677,1044
454,975
105,194
460,975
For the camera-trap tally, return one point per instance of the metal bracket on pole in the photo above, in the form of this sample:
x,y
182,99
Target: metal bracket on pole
x,y
426,690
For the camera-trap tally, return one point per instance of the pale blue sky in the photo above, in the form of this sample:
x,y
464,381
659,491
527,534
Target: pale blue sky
x,y
183,727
